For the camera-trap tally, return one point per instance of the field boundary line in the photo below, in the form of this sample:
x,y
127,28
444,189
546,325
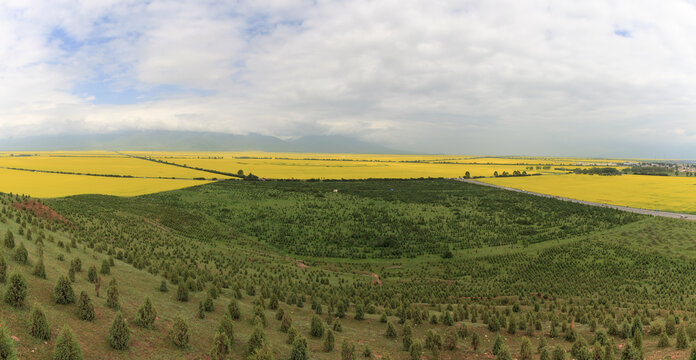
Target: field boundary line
x,y
665,214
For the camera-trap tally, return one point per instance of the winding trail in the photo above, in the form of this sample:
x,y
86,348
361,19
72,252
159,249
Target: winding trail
x,y
666,214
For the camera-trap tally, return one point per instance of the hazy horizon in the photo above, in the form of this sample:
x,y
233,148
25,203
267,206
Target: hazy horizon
x,y
590,79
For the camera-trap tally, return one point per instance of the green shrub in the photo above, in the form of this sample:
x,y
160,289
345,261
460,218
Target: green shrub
x,y
66,347
85,308
63,291
16,291
119,334
38,327
179,334
145,318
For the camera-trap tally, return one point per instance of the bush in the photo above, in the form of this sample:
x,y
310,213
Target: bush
x,y
67,347
21,254
179,334
3,270
299,349
112,297
163,286
119,335
256,340
227,327
39,324
145,318
348,350
221,346
7,346
85,308
317,327
233,310
63,292
105,267
682,339
329,341
9,240
39,269
92,274
16,291
415,350
182,293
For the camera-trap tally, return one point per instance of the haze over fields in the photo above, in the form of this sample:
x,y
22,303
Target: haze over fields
x,y
597,78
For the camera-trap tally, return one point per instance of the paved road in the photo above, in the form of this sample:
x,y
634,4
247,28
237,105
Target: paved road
x,y
617,207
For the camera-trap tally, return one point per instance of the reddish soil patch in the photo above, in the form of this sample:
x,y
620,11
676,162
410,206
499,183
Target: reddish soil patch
x,y
301,265
39,210
375,279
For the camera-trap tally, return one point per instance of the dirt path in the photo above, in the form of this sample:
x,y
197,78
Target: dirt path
x,y
617,207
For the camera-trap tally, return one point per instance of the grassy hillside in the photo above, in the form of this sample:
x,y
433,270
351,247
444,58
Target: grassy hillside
x,y
582,272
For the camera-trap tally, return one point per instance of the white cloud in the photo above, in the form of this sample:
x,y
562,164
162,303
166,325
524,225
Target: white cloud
x,y
499,76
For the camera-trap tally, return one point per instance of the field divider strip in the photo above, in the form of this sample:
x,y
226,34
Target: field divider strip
x,y
101,175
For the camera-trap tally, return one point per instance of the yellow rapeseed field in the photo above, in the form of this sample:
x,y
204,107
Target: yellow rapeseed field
x,y
323,169
98,163
46,185
666,193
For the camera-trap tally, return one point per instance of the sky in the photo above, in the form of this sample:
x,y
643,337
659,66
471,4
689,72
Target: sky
x,y
567,78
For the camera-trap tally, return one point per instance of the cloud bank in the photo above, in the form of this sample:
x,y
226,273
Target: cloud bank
x,y
611,78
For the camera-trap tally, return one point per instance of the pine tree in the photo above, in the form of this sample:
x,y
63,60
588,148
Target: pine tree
x,y
233,310
359,312
3,270
201,310
497,343
682,339
299,349
9,240
7,346
145,318
39,324
450,339
544,354
504,353
85,308
407,333
39,269
329,341
208,304
475,340
664,340
558,353
63,291
391,330
67,347
16,291
182,293
179,333
227,327
21,254
692,354
92,274
415,350
105,267
292,334
285,323
317,327
525,349
256,340
119,334
221,346
112,297
163,286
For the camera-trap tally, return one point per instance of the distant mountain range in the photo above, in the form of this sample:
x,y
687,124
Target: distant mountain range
x,y
162,140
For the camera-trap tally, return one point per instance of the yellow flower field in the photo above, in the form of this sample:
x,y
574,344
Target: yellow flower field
x,y
99,163
46,185
666,193
323,169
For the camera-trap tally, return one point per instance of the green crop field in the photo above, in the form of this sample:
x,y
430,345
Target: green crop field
x,y
394,269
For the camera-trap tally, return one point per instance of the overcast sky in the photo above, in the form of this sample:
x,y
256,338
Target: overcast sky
x,y
585,78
